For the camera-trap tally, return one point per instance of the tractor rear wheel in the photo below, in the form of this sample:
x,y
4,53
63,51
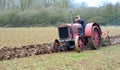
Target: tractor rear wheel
x,y
79,44
95,40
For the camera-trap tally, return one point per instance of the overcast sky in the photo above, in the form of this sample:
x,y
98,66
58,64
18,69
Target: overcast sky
x,y
94,3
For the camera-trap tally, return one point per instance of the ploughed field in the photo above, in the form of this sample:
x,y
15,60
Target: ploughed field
x,y
18,40
17,37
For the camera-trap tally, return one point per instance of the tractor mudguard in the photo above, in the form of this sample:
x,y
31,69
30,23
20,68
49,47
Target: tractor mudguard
x,y
88,29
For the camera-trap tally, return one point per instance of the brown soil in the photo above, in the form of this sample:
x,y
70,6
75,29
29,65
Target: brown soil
x,y
24,51
38,49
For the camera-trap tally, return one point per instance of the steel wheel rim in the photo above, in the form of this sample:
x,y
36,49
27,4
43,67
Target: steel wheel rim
x,y
55,44
80,43
96,37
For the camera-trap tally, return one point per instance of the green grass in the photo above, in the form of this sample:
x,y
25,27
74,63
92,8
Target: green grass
x,y
78,56
106,58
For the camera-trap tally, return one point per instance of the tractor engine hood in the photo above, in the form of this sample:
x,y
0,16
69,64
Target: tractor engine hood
x,y
65,32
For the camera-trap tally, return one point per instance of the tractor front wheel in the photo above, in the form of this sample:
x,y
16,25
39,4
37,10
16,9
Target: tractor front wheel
x,y
54,45
79,44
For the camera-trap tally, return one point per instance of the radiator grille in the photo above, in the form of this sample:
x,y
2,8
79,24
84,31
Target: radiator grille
x,y
63,32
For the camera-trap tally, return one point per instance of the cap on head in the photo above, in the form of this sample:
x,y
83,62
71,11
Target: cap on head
x,y
77,16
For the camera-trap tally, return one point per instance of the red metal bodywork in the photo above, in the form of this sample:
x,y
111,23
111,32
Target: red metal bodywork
x,y
88,29
75,29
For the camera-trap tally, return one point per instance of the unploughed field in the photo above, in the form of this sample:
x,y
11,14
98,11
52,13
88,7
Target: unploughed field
x,y
106,58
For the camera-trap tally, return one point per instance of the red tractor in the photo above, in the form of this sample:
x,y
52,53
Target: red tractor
x,y
71,37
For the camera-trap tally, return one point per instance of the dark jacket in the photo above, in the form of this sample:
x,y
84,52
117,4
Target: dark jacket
x,y
82,22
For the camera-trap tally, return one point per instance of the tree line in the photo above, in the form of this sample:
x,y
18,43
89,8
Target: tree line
x,y
27,13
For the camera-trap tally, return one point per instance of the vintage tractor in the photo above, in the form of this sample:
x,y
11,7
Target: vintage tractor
x,y
72,37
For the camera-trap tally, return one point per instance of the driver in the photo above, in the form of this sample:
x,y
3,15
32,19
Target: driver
x,y
80,21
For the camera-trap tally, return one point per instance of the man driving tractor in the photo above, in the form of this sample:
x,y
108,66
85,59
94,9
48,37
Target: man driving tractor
x,y
79,20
